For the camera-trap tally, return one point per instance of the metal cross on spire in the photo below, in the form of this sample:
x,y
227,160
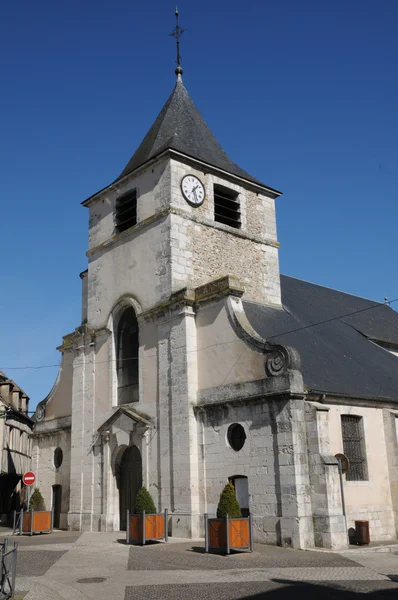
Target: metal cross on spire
x,y
177,33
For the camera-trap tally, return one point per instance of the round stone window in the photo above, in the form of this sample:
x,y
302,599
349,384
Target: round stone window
x,y
236,436
58,457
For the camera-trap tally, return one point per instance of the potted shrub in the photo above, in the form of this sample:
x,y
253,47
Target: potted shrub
x,y
229,530
36,501
145,523
36,519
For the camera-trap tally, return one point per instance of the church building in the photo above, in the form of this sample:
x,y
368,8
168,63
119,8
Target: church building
x,y
196,362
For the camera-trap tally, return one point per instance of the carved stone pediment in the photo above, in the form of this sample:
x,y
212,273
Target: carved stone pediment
x,y
124,418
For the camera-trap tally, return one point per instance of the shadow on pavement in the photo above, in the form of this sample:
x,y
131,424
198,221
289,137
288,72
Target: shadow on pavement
x,y
298,590
149,543
201,550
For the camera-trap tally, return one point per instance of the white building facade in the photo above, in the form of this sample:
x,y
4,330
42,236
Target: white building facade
x,y
169,383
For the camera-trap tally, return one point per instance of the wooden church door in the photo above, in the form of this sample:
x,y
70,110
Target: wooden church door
x,y
130,482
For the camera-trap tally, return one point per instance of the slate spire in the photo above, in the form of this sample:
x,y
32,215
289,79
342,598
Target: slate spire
x,y
180,127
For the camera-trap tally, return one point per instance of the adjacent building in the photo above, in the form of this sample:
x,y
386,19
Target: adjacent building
x,y
15,445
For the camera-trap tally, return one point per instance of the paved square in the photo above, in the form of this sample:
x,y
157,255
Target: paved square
x,y
37,563
101,566
160,556
271,590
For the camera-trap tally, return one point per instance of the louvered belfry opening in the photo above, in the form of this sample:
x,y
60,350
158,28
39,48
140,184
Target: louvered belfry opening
x,y
126,211
226,206
353,444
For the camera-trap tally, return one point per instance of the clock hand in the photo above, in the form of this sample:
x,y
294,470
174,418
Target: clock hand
x,y
194,193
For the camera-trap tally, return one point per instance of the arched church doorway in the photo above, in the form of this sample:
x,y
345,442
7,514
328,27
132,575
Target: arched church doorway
x,y
130,481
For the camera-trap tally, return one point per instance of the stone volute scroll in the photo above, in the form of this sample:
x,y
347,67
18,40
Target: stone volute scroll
x,y
278,359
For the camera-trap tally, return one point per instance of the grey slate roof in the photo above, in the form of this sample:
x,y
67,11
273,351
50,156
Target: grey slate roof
x,y
180,126
337,357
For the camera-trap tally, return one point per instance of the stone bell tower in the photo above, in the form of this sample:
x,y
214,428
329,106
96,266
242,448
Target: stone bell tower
x,y
180,215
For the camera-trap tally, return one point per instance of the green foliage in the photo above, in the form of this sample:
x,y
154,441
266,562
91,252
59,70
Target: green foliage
x,y
143,502
37,501
228,504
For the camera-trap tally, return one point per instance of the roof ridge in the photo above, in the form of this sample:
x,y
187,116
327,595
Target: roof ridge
x,y
163,112
326,287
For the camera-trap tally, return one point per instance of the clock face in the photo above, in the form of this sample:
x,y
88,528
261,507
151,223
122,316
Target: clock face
x,y
193,190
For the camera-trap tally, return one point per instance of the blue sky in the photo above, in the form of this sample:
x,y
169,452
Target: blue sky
x,y
303,95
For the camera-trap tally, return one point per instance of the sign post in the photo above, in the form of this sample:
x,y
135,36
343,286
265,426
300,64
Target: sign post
x,y
28,479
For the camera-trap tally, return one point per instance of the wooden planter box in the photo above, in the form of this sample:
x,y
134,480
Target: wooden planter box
x,y
35,521
142,528
227,534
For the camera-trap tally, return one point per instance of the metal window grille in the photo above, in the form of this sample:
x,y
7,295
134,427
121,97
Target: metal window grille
x,y
226,207
353,447
126,211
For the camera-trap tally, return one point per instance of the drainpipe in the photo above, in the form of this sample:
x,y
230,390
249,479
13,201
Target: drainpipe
x,y
203,423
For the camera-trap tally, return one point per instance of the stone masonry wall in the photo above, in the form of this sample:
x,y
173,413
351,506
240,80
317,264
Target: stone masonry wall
x,y
327,512
153,193
134,262
203,249
47,475
273,459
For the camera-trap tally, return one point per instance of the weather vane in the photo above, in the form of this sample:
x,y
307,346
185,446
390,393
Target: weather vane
x,y
177,33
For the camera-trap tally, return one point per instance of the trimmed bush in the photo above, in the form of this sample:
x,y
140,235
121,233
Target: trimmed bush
x,y
37,501
228,504
143,502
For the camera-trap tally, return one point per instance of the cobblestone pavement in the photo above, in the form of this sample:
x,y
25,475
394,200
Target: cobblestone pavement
x,y
192,556
100,566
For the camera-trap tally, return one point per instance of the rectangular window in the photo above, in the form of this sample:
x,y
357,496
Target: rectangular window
x,y
354,447
226,206
126,211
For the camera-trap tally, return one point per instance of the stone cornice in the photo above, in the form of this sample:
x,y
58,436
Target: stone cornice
x,y
120,184
337,399
219,288
129,232
182,213
186,297
81,334
287,387
207,168
53,426
231,230
184,158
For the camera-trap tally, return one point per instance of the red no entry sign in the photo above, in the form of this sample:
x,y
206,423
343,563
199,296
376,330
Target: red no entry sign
x,y
29,478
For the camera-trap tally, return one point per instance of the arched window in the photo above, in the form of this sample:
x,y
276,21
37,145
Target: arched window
x,y
127,357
